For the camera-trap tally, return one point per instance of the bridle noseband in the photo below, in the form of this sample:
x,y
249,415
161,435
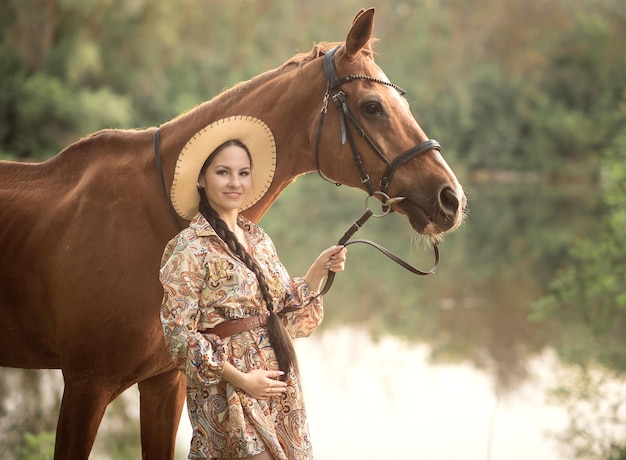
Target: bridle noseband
x,y
333,85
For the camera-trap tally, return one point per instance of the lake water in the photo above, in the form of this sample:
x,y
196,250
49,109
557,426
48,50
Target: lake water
x,y
383,400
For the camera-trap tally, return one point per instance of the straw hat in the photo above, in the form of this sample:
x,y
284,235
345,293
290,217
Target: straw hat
x,y
252,132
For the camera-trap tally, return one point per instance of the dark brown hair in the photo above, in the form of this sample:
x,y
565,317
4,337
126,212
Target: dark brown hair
x,y
278,335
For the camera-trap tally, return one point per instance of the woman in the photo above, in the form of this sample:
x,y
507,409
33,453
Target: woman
x,y
229,308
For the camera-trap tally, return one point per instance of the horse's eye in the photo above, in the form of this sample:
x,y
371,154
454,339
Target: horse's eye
x,y
373,108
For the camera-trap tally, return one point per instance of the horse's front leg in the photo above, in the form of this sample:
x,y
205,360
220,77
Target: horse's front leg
x,y
82,408
161,404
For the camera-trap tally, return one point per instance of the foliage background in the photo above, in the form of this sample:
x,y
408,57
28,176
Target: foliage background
x,y
521,93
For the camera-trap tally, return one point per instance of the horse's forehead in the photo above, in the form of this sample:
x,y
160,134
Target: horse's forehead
x,y
367,64
379,73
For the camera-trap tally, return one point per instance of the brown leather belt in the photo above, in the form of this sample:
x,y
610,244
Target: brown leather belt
x,y
236,326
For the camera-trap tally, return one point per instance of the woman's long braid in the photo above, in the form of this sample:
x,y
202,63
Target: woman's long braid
x,y
279,337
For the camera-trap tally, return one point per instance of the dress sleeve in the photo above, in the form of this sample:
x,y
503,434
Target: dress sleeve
x,y
304,309
200,357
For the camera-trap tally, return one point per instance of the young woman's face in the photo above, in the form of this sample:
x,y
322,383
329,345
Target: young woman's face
x,y
227,180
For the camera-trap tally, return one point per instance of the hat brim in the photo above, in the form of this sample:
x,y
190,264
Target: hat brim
x,y
252,132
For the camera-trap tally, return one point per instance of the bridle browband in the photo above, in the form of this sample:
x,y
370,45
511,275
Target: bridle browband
x,y
333,90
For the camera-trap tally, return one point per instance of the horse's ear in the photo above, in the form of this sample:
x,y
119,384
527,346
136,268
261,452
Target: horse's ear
x,y
360,32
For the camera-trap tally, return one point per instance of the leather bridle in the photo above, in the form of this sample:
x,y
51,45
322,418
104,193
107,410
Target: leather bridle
x,y
334,92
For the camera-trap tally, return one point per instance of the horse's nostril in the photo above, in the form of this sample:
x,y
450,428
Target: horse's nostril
x,y
449,201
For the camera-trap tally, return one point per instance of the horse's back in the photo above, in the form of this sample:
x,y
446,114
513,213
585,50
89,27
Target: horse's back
x,y
76,247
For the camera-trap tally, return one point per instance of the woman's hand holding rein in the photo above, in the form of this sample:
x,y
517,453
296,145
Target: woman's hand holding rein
x,y
332,259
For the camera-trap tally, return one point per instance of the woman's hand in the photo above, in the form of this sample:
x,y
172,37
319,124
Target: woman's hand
x,y
332,259
263,384
258,383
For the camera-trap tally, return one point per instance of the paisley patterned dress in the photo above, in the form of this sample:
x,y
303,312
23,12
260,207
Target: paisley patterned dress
x,y
204,285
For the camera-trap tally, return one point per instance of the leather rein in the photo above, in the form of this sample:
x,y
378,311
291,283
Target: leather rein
x,y
334,92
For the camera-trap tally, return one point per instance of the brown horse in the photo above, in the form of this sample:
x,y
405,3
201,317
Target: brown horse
x,y
82,234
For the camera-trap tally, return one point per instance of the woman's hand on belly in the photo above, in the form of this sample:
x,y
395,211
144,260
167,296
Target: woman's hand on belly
x,y
258,383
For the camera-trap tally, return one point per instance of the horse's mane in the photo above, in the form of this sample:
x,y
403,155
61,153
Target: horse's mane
x,y
293,64
319,49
